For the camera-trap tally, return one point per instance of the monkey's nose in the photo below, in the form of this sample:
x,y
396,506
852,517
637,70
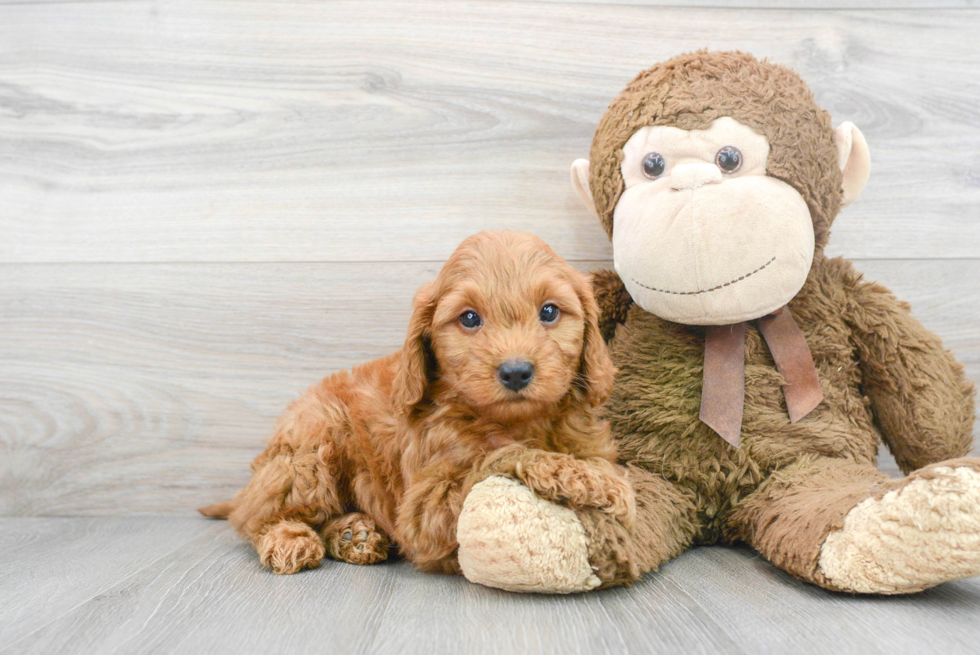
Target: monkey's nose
x,y
515,374
691,176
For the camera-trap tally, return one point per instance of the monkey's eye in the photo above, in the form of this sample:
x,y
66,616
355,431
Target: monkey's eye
x,y
654,165
729,159
470,320
549,313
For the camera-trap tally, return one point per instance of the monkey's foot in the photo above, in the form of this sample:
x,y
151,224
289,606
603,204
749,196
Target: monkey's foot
x,y
513,540
355,538
289,547
925,532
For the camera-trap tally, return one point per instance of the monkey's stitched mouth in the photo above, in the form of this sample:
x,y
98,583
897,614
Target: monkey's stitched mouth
x,y
699,292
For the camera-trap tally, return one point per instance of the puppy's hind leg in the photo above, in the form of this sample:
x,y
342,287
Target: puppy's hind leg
x,y
355,538
294,487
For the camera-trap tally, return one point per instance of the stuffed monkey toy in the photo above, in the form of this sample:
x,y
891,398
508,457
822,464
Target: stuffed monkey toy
x,y
756,376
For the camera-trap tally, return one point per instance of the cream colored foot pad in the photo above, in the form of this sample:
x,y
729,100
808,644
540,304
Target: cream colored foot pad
x,y
916,537
511,539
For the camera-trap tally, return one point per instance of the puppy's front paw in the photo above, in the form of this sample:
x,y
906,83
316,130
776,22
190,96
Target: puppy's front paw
x,y
289,547
356,539
583,484
586,485
617,498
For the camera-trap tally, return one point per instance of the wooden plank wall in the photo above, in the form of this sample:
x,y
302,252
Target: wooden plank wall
x,y
205,206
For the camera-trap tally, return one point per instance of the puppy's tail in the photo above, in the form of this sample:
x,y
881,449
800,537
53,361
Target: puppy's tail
x,y
218,510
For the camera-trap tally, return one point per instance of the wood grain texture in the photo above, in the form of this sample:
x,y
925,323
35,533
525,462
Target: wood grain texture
x,y
719,4
213,596
349,131
210,595
50,565
148,389
179,370
765,610
773,4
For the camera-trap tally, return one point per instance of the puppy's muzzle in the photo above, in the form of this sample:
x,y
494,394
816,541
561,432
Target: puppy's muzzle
x,y
515,374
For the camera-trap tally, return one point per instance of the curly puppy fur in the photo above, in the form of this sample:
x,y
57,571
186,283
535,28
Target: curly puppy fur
x,y
390,449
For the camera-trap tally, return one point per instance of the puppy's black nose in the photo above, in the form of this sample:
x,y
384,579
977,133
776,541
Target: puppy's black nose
x,y
515,374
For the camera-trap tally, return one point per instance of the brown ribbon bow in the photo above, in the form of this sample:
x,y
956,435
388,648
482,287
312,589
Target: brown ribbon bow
x,y
723,390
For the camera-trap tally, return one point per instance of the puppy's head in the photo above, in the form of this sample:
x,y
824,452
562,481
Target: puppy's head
x,y
508,328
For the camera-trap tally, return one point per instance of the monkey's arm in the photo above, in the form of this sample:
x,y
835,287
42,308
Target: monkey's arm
x,y
614,301
921,399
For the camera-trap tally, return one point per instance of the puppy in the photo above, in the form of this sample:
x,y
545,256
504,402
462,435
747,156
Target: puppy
x,y
502,373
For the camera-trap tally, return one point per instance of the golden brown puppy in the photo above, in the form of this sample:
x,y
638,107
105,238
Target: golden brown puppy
x,y
502,372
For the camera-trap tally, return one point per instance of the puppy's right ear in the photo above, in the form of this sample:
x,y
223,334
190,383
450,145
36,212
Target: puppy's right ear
x,y
416,359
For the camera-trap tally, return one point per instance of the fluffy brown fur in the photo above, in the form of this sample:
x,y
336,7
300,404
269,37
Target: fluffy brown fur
x,y
691,91
390,449
883,375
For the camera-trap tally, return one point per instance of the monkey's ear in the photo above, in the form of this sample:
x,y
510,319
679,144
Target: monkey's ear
x,y
853,158
580,180
415,361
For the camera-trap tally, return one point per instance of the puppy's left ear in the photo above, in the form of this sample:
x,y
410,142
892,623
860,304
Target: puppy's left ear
x,y
416,360
596,372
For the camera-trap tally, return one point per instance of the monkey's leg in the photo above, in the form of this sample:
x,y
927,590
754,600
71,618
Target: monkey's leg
x,y
511,539
849,527
664,527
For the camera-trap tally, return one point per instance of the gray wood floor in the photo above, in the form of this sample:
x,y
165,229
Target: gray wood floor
x,y
165,585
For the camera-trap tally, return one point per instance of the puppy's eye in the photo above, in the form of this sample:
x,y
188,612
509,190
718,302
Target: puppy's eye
x,y
549,313
470,320
729,159
654,165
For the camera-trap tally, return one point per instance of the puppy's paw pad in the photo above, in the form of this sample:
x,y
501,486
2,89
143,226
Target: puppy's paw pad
x,y
358,540
290,547
915,537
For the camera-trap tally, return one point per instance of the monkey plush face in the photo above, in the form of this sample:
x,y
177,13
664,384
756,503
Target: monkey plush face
x,y
717,177
701,234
